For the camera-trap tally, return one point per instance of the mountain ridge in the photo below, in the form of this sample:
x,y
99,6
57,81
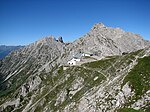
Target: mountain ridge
x,y
5,50
43,85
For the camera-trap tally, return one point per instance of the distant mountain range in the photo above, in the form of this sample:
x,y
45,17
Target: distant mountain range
x,y
5,50
36,78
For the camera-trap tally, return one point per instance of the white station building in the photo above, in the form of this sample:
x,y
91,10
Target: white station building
x,y
77,58
73,61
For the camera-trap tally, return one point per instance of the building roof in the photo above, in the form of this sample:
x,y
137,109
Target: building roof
x,y
87,52
77,56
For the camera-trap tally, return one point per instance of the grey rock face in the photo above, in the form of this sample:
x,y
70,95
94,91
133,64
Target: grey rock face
x,y
106,41
33,77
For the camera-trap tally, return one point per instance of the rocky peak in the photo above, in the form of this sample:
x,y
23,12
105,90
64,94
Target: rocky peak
x,y
98,26
45,40
48,40
60,39
106,41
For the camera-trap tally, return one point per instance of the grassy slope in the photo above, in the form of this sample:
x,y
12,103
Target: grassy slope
x,y
139,80
75,72
139,76
128,110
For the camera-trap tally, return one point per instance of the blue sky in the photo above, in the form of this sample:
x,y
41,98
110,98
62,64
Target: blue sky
x,y
25,21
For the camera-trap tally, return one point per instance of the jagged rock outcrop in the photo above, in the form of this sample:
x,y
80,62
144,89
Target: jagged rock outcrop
x,y
60,39
32,79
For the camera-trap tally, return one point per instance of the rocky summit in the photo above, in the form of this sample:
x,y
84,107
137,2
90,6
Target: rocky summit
x,y
106,70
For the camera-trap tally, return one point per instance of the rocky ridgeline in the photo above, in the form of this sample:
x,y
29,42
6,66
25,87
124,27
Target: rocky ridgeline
x,y
32,78
105,41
